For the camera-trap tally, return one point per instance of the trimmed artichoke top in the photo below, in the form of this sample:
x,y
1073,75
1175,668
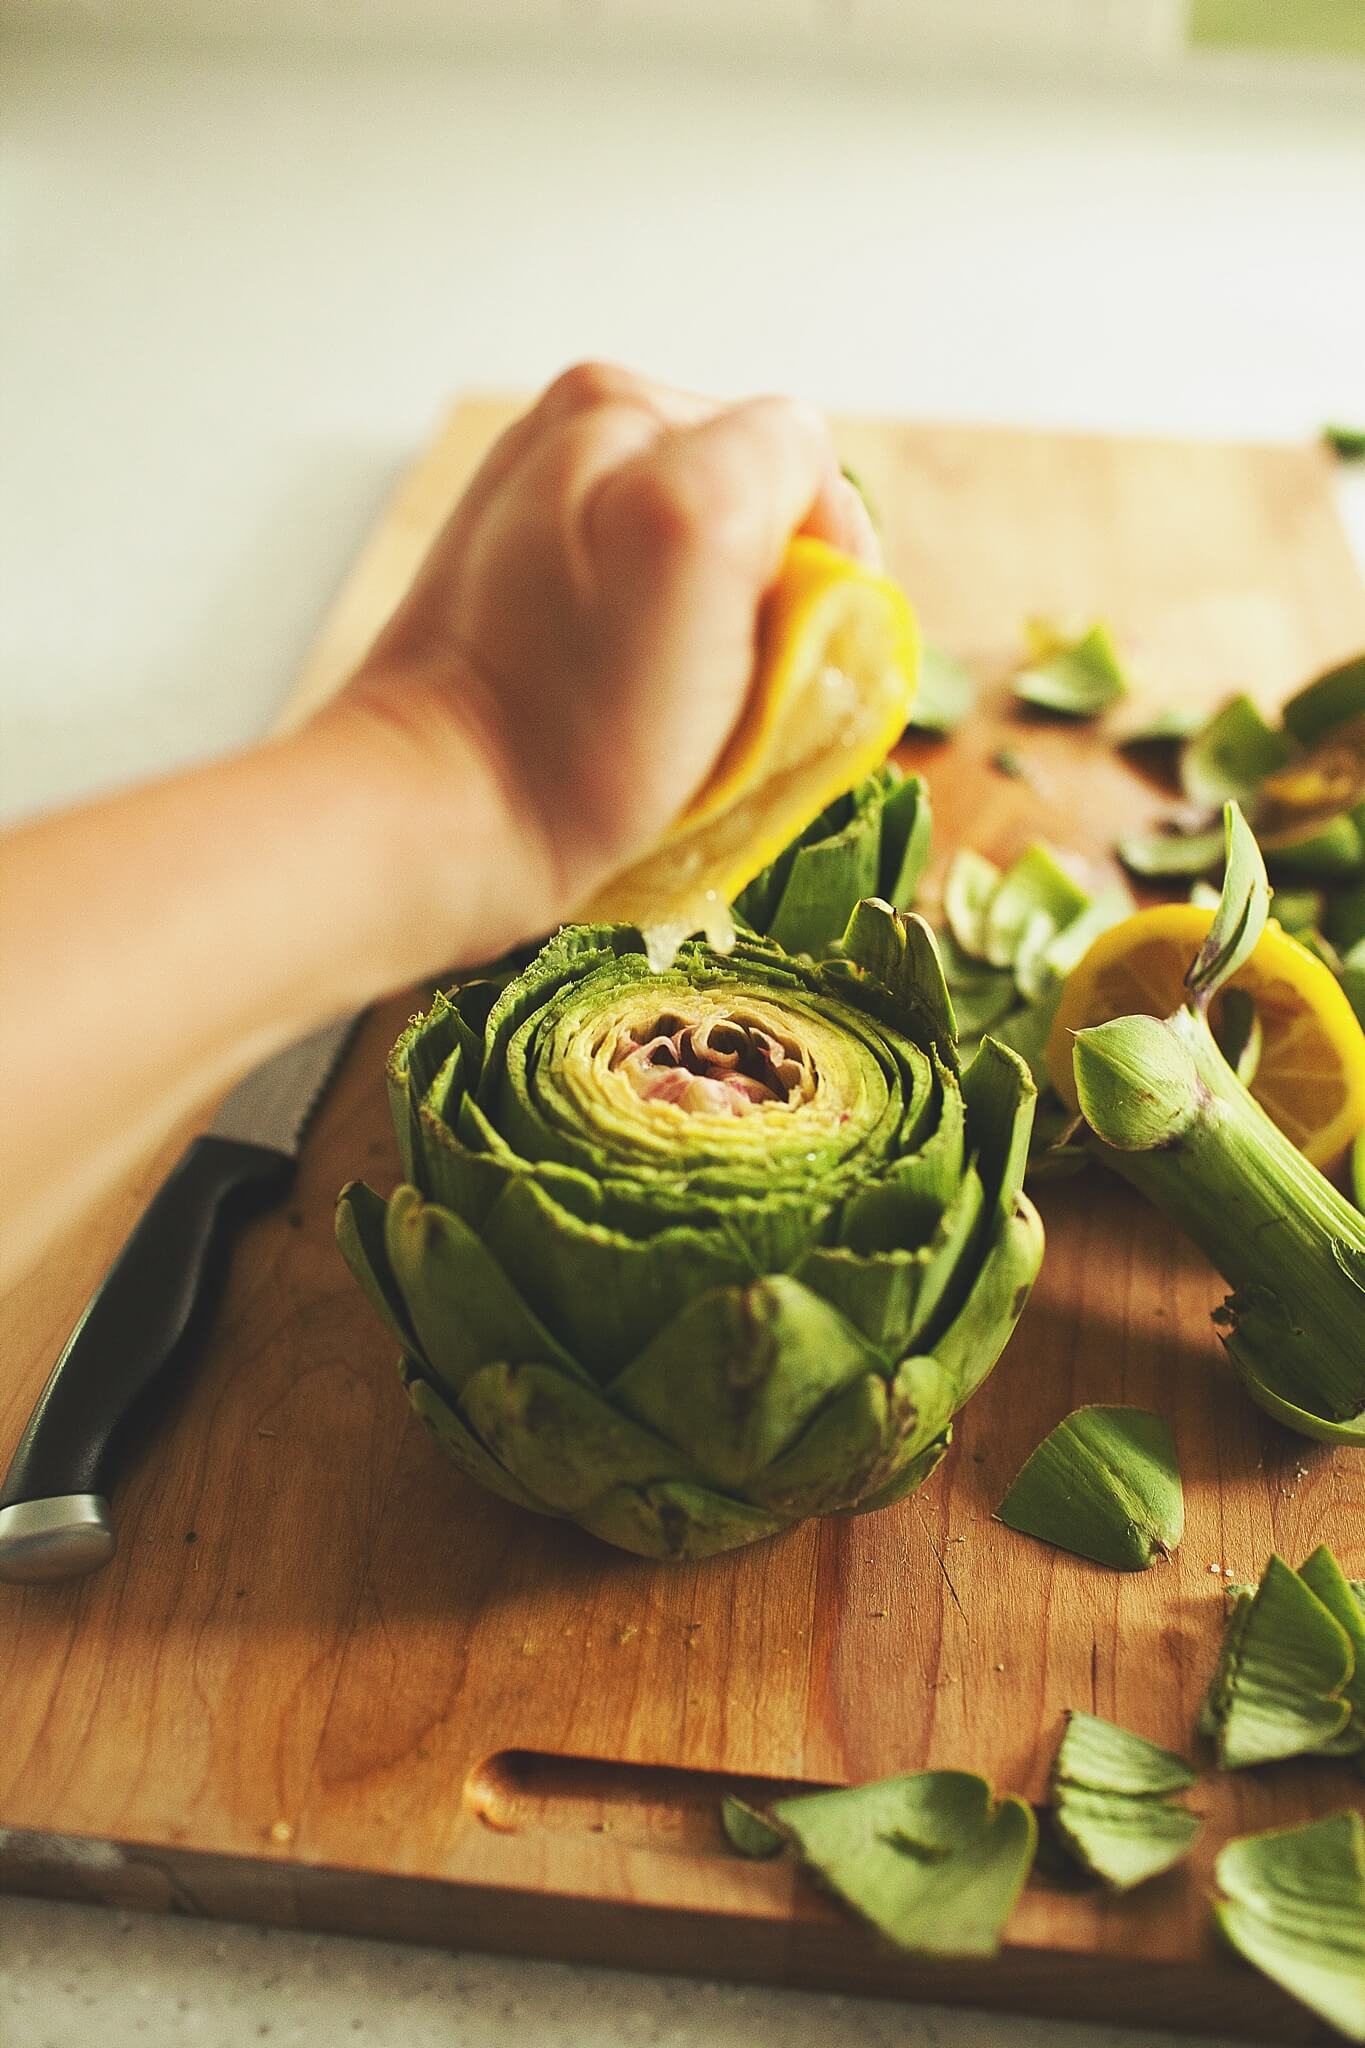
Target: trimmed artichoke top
x,y
690,1256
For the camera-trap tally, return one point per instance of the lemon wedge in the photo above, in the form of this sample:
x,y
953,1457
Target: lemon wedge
x,y
1310,1077
834,678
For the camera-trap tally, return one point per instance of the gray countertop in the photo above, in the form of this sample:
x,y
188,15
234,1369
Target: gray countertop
x,y
73,1975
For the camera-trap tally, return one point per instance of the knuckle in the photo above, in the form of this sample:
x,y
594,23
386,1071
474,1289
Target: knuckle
x,y
588,384
656,511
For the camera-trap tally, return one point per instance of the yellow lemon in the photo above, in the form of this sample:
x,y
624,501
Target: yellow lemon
x,y
1311,1073
837,661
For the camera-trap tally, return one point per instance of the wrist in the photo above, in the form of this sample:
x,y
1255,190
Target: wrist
x,y
434,871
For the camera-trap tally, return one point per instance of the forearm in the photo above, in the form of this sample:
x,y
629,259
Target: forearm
x,y
154,946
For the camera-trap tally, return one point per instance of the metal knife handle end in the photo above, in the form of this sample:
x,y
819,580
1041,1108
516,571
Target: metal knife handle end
x,y
62,1538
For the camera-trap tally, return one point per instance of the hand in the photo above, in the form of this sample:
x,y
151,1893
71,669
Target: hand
x,y
584,629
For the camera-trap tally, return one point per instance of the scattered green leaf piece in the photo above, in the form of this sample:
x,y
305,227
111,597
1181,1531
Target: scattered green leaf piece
x,y
1285,1663
968,887
1297,910
1232,754
1036,882
1104,1484
1241,914
1157,854
1110,1802
1074,940
1322,1575
946,693
1332,700
1006,762
1075,678
747,1830
1333,855
1347,443
1173,724
1293,1905
933,1861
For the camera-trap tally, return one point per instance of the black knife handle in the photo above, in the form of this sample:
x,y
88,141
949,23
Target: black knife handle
x,y
140,1322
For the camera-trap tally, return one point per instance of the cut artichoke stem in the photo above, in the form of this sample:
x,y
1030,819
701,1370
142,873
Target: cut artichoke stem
x,y
1175,1121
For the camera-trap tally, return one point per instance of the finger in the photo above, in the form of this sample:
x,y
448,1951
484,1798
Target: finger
x,y
580,391
841,517
731,489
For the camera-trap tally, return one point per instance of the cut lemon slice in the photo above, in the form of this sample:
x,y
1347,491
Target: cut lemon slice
x,y
1311,1073
838,656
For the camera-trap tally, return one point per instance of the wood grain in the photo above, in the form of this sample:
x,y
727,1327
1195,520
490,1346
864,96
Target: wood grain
x,y
327,1682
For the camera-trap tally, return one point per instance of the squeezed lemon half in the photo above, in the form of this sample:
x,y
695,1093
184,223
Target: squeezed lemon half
x,y
834,678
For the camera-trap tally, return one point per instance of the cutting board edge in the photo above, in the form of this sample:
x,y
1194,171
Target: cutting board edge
x,y
1207,1995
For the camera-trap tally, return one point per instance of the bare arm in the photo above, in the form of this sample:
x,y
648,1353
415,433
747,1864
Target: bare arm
x,y
552,691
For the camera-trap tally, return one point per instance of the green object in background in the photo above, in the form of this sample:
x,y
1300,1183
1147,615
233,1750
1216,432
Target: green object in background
x,y
1310,28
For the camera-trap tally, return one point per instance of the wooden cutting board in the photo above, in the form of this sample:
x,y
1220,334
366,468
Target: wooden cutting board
x,y
325,1682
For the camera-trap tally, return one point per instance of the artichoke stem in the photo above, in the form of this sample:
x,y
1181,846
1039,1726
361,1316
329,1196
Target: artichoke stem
x,y
1169,1114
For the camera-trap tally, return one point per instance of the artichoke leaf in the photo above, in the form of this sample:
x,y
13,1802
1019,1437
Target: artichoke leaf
x,y
747,1831
563,1441
896,951
360,1237
1231,754
968,888
933,1861
1323,1576
1103,1484
737,1376
946,693
603,1292
1074,678
1278,1690
1111,1792
1293,1906
676,1520
1034,883
465,1311
911,1476
972,1342
858,1443
463,1448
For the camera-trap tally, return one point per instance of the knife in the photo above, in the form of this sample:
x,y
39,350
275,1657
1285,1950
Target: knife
x,y
147,1313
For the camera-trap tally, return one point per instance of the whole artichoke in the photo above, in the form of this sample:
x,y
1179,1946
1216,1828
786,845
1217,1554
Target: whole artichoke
x,y
687,1257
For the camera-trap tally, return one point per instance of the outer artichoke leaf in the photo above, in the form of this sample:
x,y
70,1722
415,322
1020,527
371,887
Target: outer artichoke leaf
x,y
464,1449
907,825
858,1447
463,1307
734,1379
360,1236
602,1293
748,1831
848,1450
909,1479
676,1521
1103,1484
931,1860
561,1440
469,1168
1110,1794
974,1340
1293,1906
1278,1691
